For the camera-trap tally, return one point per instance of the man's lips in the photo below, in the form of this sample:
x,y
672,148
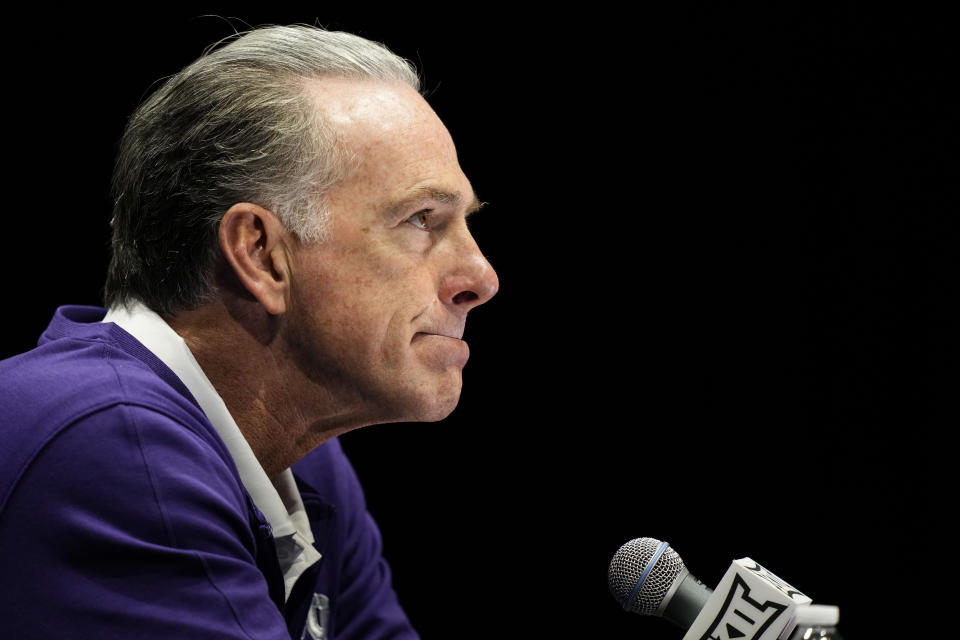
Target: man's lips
x,y
448,332
444,347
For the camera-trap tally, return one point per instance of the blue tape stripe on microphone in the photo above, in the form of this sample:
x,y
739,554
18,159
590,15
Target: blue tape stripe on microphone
x,y
643,576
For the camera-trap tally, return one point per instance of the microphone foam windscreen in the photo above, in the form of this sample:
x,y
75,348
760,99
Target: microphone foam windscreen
x,y
630,563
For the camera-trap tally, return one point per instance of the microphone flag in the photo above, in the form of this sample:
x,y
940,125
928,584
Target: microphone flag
x,y
749,603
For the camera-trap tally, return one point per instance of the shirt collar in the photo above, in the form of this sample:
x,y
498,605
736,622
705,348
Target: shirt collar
x,y
278,500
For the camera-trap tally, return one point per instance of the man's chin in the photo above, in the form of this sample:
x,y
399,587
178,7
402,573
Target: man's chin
x,y
437,404
439,409
440,414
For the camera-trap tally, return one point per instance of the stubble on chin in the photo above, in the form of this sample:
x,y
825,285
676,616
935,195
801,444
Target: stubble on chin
x,y
385,393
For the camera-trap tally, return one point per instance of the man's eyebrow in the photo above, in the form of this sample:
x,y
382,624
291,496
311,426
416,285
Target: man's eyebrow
x,y
475,206
430,194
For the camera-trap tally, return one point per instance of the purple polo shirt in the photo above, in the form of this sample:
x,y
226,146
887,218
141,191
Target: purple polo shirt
x,y
122,514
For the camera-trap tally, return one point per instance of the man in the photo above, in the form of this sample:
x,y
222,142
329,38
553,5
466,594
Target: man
x,y
290,261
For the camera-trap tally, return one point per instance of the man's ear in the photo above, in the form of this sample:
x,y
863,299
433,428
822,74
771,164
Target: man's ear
x,y
254,244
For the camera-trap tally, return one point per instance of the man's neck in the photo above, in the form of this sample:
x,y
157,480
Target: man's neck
x,y
282,414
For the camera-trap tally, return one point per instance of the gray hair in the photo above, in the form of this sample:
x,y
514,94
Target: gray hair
x,y
236,125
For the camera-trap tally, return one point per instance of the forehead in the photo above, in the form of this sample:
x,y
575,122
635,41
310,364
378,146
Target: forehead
x,y
398,144
370,115
348,101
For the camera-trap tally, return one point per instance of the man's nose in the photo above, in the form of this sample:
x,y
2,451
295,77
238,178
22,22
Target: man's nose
x,y
470,280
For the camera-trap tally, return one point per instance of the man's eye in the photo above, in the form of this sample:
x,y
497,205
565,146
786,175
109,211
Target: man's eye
x,y
421,219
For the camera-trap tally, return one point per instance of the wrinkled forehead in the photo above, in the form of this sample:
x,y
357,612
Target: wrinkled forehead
x,y
398,148
388,130
368,111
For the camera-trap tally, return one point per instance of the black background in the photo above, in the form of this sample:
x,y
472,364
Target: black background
x,y
723,238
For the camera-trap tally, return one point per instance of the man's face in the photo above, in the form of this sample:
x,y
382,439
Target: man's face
x,y
377,309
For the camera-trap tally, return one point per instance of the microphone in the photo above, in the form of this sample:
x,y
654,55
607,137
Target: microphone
x,y
648,577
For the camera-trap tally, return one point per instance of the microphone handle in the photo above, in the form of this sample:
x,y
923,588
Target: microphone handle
x,y
686,601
